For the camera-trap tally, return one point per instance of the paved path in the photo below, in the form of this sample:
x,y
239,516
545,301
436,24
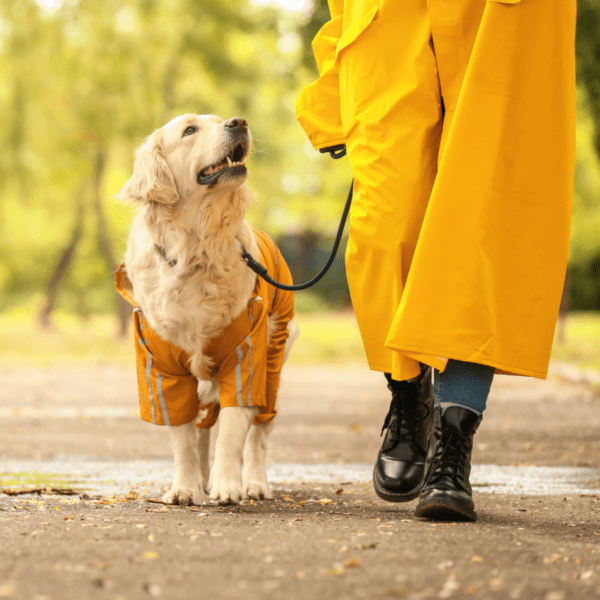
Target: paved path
x,y
325,534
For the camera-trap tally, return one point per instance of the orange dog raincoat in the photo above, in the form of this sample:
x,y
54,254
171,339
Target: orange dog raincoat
x,y
245,366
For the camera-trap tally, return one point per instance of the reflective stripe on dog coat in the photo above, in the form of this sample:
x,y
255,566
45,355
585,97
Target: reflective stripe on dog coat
x,y
244,365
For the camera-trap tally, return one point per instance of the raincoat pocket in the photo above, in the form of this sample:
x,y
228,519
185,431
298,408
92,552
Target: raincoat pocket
x,y
364,86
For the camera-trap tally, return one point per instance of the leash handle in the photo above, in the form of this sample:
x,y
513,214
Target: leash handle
x,y
335,151
261,271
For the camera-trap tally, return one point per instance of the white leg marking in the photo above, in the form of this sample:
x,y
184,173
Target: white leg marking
x,y
187,485
226,479
256,485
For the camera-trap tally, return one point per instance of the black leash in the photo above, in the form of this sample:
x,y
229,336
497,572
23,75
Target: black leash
x,y
335,152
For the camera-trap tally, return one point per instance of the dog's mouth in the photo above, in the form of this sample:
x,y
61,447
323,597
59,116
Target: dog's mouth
x,y
233,163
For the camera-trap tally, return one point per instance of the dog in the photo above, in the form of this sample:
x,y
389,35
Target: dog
x,y
211,337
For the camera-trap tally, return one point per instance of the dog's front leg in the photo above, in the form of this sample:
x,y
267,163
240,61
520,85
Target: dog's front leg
x,y
187,485
226,481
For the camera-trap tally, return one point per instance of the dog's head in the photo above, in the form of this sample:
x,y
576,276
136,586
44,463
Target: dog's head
x,y
190,157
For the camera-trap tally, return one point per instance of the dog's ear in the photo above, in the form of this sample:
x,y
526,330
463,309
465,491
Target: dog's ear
x,y
152,179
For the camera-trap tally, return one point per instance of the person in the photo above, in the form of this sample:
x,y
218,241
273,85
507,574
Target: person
x,y
458,119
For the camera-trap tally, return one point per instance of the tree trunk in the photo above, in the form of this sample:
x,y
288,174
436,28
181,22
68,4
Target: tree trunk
x,y
45,313
124,309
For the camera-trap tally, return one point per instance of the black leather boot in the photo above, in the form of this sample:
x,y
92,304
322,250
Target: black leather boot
x,y
401,464
447,493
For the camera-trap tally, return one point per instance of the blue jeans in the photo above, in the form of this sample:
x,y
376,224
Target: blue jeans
x,y
463,383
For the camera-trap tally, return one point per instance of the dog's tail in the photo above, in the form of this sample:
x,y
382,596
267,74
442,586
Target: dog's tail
x,y
294,332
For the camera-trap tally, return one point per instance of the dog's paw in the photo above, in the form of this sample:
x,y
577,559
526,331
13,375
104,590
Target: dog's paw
x,y
258,490
184,496
226,491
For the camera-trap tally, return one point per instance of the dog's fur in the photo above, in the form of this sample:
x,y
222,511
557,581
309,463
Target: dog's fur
x,y
183,259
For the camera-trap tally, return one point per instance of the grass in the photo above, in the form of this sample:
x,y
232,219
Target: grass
x,y
581,345
33,479
325,338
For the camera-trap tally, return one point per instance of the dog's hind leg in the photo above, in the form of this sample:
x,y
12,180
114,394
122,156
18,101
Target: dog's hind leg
x,y
226,479
256,485
204,452
187,485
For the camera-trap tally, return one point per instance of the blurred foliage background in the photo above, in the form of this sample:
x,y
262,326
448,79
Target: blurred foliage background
x,y
84,82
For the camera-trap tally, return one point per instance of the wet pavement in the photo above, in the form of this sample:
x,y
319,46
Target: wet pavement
x,y
151,477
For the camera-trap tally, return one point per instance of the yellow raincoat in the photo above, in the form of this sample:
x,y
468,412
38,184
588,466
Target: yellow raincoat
x,y
459,121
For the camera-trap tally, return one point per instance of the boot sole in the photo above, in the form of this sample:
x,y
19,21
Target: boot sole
x,y
394,497
445,510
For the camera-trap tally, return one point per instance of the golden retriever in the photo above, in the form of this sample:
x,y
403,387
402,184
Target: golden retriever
x,y
184,263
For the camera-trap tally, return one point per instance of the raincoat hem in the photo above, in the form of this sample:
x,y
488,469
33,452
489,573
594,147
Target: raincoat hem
x,y
501,369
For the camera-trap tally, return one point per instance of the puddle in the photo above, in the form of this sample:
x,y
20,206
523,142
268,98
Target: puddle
x,y
120,476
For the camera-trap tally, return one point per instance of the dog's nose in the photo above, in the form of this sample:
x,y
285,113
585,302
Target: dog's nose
x,y
236,123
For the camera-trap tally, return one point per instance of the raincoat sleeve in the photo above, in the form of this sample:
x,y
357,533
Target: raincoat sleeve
x,y
318,106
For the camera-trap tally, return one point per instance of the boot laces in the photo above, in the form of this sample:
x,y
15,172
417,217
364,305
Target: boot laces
x,y
450,457
407,411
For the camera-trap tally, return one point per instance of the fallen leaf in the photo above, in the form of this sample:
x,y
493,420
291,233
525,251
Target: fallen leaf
x,y
352,562
150,555
325,501
45,490
340,491
131,495
477,559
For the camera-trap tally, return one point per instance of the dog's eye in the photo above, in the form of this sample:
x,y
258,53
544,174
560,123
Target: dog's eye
x,y
189,130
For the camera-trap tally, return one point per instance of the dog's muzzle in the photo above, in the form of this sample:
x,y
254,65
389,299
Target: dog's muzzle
x,y
233,163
